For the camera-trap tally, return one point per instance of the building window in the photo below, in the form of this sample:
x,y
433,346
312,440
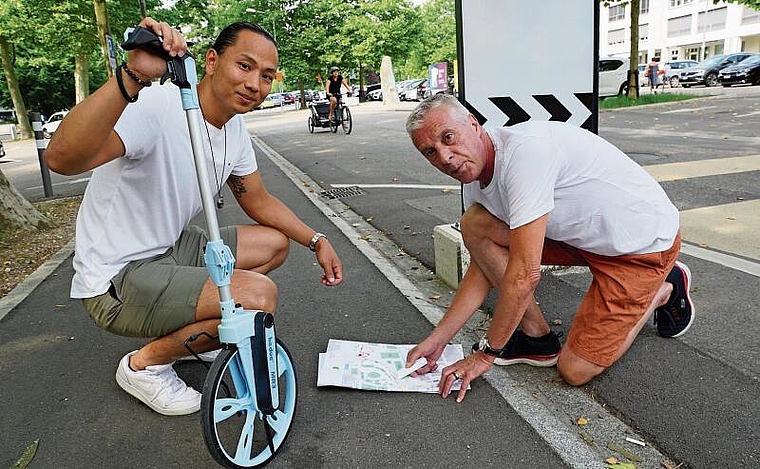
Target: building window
x,y
718,49
674,54
693,53
750,16
679,3
643,32
616,36
712,20
679,26
617,12
643,7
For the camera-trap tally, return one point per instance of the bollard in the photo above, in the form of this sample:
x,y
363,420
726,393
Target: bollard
x,y
40,140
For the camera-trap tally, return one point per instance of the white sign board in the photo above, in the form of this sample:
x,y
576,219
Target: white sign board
x,y
526,59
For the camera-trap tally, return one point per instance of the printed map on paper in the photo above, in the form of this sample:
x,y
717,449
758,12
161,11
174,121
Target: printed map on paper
x,y
376,367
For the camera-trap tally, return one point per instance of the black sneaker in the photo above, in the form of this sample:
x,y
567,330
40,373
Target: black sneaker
x,y
675,317
535,351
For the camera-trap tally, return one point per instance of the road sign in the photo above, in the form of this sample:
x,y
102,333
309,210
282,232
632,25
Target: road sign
x,y
523,60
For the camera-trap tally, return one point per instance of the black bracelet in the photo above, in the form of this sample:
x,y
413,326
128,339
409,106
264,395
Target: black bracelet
x,y
134,76
123,90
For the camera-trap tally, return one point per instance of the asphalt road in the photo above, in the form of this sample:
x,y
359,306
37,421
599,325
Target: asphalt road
x,y
692,399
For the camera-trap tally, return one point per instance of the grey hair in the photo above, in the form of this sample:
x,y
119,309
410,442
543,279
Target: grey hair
x,y
417,117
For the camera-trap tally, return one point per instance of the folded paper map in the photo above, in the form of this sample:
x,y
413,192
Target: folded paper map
x,y
380,367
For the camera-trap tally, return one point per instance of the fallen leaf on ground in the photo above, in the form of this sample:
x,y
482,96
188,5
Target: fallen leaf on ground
x,y
27,456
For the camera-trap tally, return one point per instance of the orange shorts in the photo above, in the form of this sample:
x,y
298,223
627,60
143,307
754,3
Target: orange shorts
x,y
621,291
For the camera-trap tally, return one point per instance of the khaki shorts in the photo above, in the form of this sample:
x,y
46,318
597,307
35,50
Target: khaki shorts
x,y
621,291
155,296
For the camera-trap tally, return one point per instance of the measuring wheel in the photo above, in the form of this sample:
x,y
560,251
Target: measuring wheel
x,y
346,120
237,434
311,125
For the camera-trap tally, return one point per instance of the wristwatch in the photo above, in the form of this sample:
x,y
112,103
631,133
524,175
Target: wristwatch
x,y
486,348
314,239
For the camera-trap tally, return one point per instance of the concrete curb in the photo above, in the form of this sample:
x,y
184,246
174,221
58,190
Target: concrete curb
x,y
25,288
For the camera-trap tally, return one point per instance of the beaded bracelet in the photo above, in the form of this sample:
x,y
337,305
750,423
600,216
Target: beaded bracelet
x,y
134,76
120,82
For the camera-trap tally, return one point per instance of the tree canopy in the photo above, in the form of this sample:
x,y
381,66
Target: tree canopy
x,y
46,36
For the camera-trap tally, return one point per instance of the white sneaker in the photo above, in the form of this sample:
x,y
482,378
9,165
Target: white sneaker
x,y
158,387
207,357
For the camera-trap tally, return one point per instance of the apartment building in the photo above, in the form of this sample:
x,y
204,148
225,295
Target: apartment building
x,y
680,29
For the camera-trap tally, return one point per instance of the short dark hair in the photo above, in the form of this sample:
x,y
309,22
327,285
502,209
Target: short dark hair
x,y
229,35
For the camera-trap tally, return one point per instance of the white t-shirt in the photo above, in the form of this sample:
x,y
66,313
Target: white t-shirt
x,y
136,206
597,198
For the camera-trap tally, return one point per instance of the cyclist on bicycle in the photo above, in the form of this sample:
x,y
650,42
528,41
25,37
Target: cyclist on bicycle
x,y
332,88
138,262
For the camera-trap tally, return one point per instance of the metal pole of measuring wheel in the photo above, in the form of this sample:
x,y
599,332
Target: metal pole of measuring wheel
x,y
39,138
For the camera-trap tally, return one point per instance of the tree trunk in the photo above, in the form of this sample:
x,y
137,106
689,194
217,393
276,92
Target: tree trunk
x,y
10,77
16,213
101,16
81,76
633,70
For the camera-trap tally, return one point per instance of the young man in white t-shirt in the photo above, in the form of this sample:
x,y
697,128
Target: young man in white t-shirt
x,y
138,265
551,193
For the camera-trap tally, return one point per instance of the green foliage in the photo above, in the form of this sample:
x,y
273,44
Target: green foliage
x,y
46,36
625,101
313,35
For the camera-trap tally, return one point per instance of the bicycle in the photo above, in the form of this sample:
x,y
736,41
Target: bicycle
x,y
321,110
249,396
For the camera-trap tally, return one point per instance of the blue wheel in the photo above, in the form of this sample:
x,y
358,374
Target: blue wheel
x,y
236,434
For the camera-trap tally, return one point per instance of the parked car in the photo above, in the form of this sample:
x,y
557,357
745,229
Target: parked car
x,y
706,71
375,95
673,68
276,98
2,149
51,125
613,76
746,71
422,88
409,91
370,88
266,104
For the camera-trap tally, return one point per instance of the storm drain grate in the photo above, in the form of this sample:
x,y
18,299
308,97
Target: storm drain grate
x,y
342,192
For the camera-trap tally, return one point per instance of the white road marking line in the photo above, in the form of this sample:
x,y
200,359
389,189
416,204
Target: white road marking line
x,y
399,186
676,111
743,265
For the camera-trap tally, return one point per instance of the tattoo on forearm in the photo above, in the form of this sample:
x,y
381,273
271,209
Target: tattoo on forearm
x,y
236,185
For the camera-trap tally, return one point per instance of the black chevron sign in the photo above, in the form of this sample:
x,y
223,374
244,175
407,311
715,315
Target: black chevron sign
x,y
556,109
575,104
511,109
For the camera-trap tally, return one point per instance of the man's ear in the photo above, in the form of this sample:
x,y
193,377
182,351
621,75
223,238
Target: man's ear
x,y
475,124
211,60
